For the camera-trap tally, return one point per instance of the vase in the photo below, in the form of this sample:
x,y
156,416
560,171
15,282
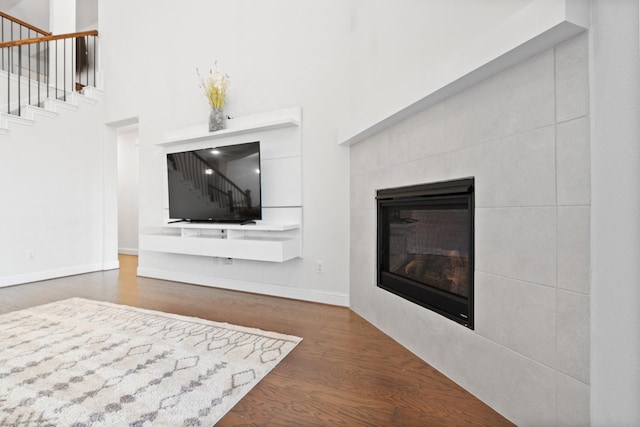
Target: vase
x,y
216,119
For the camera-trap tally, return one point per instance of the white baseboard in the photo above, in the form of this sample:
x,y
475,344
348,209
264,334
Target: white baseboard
x,y
19,279
331,298
111,265
128,251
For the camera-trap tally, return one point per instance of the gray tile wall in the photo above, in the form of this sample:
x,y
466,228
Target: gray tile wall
x,y
524,135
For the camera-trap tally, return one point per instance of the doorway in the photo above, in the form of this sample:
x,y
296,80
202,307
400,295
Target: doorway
x,y
128,148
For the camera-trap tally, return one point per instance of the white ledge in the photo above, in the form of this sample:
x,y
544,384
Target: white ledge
x,y
288,117
31,111
259,226
7,119
539,27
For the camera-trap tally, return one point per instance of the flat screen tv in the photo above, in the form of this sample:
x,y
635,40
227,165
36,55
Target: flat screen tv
x,y
218,184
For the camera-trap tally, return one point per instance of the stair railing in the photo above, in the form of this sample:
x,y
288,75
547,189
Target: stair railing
x,y
48,67
12,29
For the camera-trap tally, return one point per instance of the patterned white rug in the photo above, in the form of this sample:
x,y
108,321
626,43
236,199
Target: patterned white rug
x,y
87,363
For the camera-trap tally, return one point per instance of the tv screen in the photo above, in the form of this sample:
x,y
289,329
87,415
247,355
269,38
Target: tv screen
x,y
219,184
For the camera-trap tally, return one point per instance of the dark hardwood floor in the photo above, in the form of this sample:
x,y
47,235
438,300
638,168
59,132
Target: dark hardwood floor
x,y
345,371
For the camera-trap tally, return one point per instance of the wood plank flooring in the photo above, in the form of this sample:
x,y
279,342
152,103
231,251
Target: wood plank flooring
x,y
344,373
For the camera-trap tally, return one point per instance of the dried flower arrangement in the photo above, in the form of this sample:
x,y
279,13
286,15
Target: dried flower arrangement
x,y
214,87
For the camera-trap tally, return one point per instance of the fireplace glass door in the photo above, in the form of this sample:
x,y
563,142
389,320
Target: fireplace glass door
x,y
425,246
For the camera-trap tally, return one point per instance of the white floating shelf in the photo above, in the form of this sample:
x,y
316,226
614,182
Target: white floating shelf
x,y
285,118
259,226
257,248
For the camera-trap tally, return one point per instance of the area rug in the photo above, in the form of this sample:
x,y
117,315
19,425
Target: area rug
x,y
86,363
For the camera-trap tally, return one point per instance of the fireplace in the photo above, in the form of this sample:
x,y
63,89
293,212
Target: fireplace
x,y
425,246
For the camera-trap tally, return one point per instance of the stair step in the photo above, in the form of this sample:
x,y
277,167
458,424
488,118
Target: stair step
x,y
92,92
31,111
86,99
51,107
55,104
7,119
78,98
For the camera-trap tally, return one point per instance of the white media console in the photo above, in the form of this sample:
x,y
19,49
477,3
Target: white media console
x,y
261,242
278,237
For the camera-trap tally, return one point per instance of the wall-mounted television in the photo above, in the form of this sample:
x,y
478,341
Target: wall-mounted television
x,y
217,184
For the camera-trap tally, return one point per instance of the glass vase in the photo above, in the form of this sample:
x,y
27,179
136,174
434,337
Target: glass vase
x,y
216,119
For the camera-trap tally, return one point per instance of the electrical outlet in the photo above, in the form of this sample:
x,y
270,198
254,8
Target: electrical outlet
x,y
31,255
319,266
228,261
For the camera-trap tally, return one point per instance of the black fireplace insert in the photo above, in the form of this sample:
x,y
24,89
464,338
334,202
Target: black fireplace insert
x,y
425,246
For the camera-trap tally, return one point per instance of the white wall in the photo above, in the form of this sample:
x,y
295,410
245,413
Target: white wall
x,y
34,12
278,53
62,16
55,182
615,229
400,66
396,43
128,191
86,15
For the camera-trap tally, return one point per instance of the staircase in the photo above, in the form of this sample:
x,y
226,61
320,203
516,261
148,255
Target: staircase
x,y
42,74
58,180
50,108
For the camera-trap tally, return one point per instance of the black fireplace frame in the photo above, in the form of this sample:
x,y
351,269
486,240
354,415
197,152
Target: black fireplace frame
x,y
457,192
